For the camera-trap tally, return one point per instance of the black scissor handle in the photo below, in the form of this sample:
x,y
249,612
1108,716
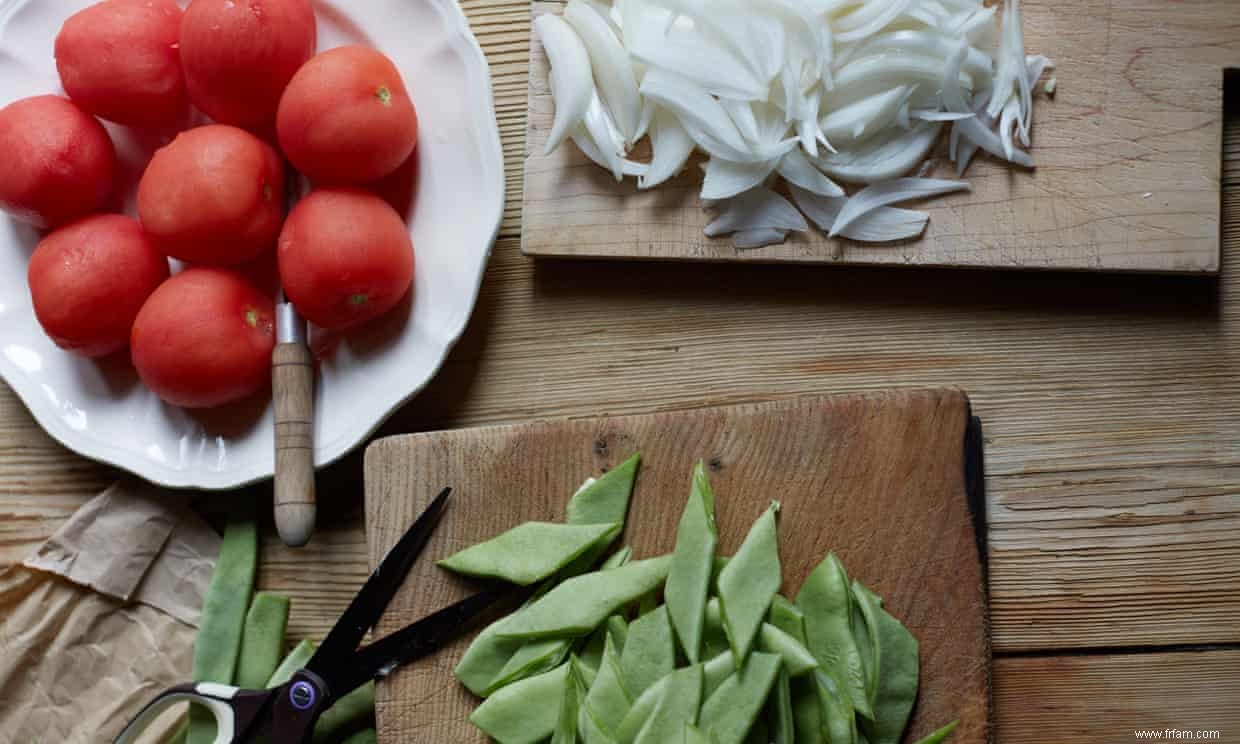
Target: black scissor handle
x,y
234,709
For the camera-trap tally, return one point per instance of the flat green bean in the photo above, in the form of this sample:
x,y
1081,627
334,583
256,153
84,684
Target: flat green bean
x,y
608,699
732,709
606,500
714,672
617,559
937,736
589,729
839,719
223,617
897,677
291,664
688,580
807,711
524,712
262,640
534,657
677,707
529,552
650,652
826,600
795,655
748,584
570,706
580,604
618,629
694,735
865,607
783,729
714,637
788,617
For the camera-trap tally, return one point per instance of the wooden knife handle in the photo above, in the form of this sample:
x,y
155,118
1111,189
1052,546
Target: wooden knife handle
x,y
292,387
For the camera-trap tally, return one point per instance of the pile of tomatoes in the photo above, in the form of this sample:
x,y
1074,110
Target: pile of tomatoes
x,y
214,196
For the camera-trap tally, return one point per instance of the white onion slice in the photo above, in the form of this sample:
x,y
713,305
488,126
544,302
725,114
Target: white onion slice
x,y
758,238
701,115
870,75
931,115
671,146
741,114
973,129
882,158
869,19
882,225
891,192
613,72
725,179
581,137
708,65
571,82
862,119
756,209
921,42
798,170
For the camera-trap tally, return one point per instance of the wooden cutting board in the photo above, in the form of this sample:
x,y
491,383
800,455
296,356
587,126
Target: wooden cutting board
x,y
1128,154
879,478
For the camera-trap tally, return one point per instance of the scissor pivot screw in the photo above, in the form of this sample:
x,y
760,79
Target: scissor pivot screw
x,y
302,695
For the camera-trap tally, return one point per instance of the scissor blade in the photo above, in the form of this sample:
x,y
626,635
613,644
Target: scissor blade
x,y
338,649
412,642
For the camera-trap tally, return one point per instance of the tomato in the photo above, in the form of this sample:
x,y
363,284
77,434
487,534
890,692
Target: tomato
x,y
214,195
346,117
204,338
398,188
118,60
238,56
345,257
89,279
59,163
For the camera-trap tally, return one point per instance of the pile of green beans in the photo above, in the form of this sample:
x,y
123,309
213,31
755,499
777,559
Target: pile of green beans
x,y
689,647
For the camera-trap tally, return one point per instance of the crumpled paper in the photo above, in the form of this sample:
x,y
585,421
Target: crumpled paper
x,y
102,617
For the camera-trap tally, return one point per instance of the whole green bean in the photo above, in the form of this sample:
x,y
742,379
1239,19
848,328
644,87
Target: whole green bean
x,y
732,709
826,600
688,580
581,603
609,699
223,617
262,640
529,552
748,584
677,707
524,712
897,679
783,730
937,736
650,652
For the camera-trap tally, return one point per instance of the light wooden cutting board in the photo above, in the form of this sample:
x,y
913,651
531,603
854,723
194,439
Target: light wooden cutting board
x,y
880,479
1128,154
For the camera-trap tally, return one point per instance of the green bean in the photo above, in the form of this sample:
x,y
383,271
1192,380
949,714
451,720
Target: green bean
x,y
262,640
839,720
488,656
748,583
796,657
898,655
617,559
807,711
688,580
606,500
570,706
865,606
609,699
788,617
826,600
358,705
714,672
650,652
365,736
694,735
714,637
618,629
578,605
937,736
292,663
534,657
527,553
677,707
223,617
731,710
783,730
524,712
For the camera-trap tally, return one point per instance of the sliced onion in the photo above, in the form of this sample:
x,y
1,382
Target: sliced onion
x,y
581,137
882,158
671,147
932,115
758,238
862,119
869,19
756,209
798,170
973,129
870,75
709,65
571,82
808,131
891,192
701,115
725,179
1008,121
919,42
613,72
741,114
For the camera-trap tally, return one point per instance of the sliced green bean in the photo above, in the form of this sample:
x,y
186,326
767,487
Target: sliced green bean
x,y
650,652
581,603
606,500
589,729
937,736
570,706
839,720
262,640
748,583
617,559
783,730
807,711
732,709
865,607
695,735
826,600
291,664
358,705
714,637
714,672
488,656
898,655
688,580
223,617
618,629
796,657
677,707
527,553
534,657
524,712
788,617
609,699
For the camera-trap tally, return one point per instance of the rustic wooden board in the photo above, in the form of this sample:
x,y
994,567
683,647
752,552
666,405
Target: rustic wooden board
x,y
878,478
1127,179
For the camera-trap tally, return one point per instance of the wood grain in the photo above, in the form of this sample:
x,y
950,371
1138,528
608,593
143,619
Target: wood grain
x,y
292,393
1127,154
877,478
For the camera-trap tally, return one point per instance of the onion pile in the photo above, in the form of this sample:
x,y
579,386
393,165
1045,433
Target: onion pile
x,y
817,93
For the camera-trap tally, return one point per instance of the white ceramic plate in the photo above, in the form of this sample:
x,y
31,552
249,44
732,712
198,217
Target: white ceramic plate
x,y
103,412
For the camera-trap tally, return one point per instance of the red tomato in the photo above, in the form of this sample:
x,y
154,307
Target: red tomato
x,y
89,279
345,257
346,117
398,188
204,338
59,163
238,56
118,60
214,195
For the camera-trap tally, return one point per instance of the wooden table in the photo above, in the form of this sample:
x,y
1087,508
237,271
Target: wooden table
x,y
1111,405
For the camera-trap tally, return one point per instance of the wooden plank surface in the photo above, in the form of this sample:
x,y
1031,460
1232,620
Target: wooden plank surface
x,y
1127,154
879,479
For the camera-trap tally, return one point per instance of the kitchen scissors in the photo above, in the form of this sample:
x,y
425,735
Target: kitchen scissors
x,y
286,714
